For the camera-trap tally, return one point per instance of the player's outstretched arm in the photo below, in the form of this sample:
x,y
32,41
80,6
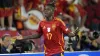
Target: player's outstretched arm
x,y
33,36
70,34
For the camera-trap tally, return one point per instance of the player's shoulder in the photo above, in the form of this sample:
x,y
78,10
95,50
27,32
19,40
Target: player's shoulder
x,y
59,20
42,21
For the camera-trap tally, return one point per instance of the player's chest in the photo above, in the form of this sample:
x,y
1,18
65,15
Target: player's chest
x,y
50,27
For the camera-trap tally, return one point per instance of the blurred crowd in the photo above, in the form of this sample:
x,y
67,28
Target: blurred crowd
x,y
9,44
84,14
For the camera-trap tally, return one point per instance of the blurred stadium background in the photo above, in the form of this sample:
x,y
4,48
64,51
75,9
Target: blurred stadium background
x,y
27,14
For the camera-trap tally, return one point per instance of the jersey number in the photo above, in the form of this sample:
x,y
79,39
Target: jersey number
x,y
49,35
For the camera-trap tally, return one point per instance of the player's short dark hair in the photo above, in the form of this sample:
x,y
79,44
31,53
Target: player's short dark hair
x,y
52,6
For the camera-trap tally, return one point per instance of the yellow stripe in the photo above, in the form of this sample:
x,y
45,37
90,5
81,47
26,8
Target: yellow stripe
x,y
62,48
44,49
60,21
59,43
62,38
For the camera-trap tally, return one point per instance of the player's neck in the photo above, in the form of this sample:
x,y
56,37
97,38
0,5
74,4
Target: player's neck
x,y
49,18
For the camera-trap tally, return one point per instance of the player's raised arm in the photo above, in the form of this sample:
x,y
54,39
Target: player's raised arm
x,y
33,36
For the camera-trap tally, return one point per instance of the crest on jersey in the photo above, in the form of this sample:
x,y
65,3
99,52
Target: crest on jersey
x,y
44,27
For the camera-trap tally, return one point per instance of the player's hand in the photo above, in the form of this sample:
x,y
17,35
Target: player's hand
x,y
71,34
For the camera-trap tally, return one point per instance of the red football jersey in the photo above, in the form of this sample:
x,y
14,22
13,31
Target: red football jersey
x,y
53,35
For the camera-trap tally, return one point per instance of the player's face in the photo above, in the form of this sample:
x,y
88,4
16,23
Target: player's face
x,y
48,12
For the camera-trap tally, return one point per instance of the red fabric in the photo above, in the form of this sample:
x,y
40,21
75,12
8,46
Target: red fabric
x,y
90,14
93,12
46,2
81,10
53,38
96,21
85,1
57,11
6,12
12,33
60,6
98,11
31,4
35,3
2,11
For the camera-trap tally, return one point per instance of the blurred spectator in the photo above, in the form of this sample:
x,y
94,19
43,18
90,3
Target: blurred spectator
x,y
93,15
85,42
41,6
81,15
23,46
75,15
0,41
31,4
17,15
70,10
6,44
0,44
88,43
6,10
60,11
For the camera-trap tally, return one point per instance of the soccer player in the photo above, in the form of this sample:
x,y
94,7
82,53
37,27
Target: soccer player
x,y
52,28
82,14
